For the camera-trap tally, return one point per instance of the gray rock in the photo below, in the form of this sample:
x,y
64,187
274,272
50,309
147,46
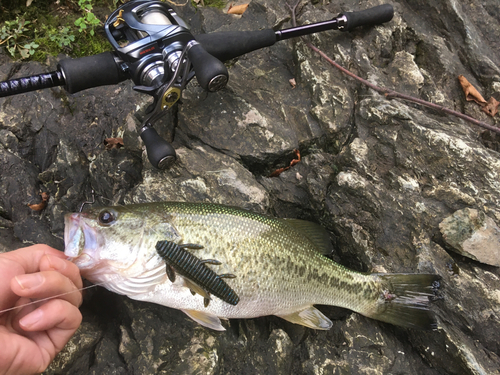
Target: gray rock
x,y
473,234
380,175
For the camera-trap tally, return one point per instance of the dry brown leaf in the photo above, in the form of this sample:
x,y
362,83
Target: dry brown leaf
x,y
491,107
40,206
113,143
279,171
471,94
237,9
293,83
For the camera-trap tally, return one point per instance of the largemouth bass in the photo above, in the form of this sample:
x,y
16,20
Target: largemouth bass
x,y
277,264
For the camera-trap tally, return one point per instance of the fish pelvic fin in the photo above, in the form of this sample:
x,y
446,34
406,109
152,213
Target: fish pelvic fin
x,y
205,319
310,317
405,300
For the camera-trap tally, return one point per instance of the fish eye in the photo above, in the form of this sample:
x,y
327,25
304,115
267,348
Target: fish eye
x,y
106,218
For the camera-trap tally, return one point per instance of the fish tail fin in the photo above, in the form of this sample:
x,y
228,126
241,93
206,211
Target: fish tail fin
x,y
405,300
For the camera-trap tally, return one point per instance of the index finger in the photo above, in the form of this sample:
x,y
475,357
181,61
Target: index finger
x,y
69,269
18,262
29,257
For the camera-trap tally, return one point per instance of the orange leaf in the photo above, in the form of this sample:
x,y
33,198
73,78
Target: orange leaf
x,y
113,143
237,9
277,172
491,107
470,91
40,206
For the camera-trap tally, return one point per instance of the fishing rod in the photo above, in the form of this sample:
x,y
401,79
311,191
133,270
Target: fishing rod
x,y
154,48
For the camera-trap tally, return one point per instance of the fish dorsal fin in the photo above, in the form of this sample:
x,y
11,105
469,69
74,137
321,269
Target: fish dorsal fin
x,y
205,319
310,317
314,232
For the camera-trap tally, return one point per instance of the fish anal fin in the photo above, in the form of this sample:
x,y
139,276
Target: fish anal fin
x,y
310,317
205,319
314,232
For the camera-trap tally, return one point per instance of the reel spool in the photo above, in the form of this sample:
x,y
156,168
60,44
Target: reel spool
x,y
149,38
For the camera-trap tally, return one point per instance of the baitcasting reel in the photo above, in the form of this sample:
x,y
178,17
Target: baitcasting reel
x,y
159,53
155,49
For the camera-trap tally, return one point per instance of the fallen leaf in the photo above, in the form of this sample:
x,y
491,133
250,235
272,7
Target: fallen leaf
x,y
40,206
293,83
237,9
279,171
295,161
491,107
471,94
113,143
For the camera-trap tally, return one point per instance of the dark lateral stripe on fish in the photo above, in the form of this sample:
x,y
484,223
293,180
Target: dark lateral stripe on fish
x,y
189,266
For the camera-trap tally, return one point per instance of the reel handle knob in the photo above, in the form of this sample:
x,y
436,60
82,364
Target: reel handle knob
x,y
161,154
211,73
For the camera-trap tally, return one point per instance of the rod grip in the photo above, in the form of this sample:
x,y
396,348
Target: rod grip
x,y
230,44
373,16
91,71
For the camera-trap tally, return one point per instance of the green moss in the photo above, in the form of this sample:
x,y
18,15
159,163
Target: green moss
x,y
220,4
51,28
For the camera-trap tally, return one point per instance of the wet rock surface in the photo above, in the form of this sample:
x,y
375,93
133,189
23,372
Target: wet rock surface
x,y
380,175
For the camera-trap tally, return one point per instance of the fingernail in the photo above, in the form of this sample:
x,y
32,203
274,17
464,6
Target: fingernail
x,y
30,281
31,318
56,263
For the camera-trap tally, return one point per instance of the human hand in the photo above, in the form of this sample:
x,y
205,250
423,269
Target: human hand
x,y
31,336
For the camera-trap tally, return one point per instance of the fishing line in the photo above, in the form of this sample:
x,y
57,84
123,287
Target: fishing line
x,y
56,296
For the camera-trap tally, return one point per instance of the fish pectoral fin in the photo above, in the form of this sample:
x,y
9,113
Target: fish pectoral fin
x,y
310,317
205,319
196,288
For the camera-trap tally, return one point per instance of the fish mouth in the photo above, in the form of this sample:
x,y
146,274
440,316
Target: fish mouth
x,y
81,242
73,235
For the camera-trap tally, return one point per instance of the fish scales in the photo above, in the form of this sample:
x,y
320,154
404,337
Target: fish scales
x,y
281,248
279,269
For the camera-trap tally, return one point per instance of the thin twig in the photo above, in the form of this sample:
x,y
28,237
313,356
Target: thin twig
x,y
391,94
293,11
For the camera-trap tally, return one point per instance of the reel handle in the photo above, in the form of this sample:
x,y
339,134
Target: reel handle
x,y
210,72
161,154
